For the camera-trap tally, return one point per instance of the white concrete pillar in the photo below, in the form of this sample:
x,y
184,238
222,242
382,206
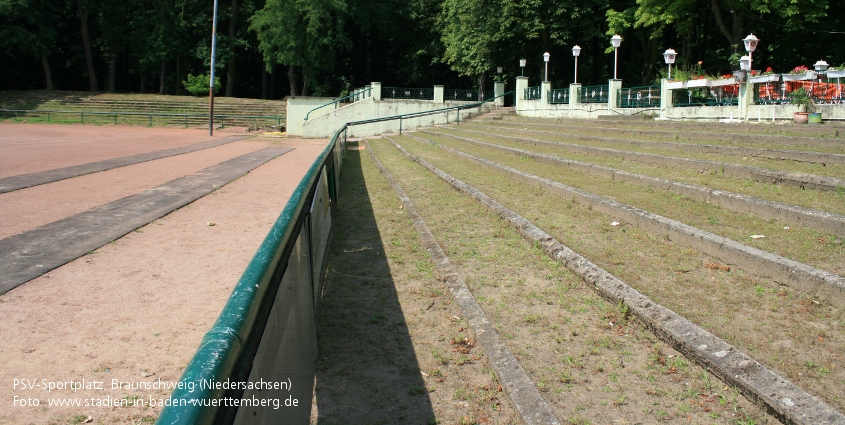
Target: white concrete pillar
x,y
746,98
498,90
574,94
438,94
613,97
665,98
545,87
521,85
376,91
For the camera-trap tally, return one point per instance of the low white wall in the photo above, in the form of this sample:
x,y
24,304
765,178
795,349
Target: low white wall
x,y
370,108
299,106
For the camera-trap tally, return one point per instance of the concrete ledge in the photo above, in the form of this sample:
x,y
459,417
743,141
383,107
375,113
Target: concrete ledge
x,y
782,398
806,278
807,217
526,398
802,180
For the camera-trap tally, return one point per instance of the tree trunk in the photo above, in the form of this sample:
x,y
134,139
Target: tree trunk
x,y
273,74
292,79
230,71
110,87
178,73
481,81
264,82
86,45
304,84
161,77
48,76
143,85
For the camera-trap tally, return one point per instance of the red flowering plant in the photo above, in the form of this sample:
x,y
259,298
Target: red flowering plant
x,y
800,69
768,71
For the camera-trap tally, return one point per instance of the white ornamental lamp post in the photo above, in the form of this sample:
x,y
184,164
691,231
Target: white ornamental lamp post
x,y
744,66
821,67
522,65
576,51
546,57
669,57
750,46
616,41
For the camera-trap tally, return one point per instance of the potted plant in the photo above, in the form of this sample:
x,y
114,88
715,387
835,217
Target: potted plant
x,y
800,73
803,100
768,76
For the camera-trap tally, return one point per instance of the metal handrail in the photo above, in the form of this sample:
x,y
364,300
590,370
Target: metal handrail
x,y
367,92
115,114
424,113
228,348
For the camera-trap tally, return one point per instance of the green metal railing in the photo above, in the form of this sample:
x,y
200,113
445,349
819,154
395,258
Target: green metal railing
x,y
283,281
639,97
288,260
351,98
704,96
532,93
558,96
594,94
466,95
407,93
17,113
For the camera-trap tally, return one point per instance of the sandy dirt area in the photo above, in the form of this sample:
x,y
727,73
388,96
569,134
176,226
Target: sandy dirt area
x,y
28,148
133,312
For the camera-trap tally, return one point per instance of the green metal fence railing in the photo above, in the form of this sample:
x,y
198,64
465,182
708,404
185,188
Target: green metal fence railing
x,y
594,94
639,97
557,96
353,97
706,96
532,93
407,93
147,117
466,95
267,329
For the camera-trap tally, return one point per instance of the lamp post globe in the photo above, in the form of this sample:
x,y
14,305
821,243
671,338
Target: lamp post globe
x,y
615,41
751,43
522,65
576,51
821,66
669,57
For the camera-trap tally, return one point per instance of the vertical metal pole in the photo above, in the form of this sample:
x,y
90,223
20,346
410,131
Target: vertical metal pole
x,y
576,70
615,62
400,125
211,80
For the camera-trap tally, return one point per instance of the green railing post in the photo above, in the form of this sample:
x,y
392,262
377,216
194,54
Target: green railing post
x,y
48,116
400,125
115,119
82,117
186,120
459,117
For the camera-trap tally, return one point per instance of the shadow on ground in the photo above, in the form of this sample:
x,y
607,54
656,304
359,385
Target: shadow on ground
x,y
367,371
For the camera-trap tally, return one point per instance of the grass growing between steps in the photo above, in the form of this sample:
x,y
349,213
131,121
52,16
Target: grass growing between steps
x,y
808,246
830,201
591,362
675,136
393,347
781,328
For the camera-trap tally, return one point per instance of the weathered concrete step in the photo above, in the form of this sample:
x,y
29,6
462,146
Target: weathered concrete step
x,y
806,278
780,154
526,397
802,180
782,398
807,217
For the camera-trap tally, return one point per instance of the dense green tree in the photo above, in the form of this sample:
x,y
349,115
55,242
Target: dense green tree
x,y
25,27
